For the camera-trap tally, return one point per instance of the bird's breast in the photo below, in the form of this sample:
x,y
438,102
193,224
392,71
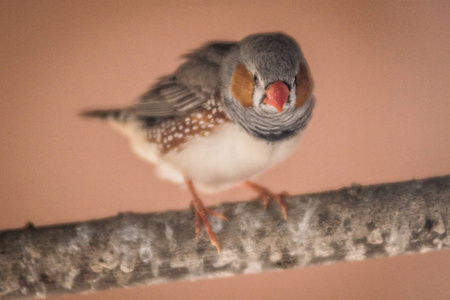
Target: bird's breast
x,y
226,157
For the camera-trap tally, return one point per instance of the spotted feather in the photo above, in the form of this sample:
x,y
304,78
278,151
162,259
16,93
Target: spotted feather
x,y
172,134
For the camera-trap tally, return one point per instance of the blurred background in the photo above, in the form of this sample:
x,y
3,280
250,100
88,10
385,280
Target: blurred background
x,y
381,71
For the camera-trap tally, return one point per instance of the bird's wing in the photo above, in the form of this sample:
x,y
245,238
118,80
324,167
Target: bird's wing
x,y
193,83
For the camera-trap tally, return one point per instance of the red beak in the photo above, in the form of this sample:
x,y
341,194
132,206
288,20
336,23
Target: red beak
x,y
277,94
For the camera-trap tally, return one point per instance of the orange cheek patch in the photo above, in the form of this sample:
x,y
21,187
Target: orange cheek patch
x,y
242,86
304,85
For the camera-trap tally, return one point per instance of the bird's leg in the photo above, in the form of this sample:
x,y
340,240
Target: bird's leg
x,y
201,215
267,195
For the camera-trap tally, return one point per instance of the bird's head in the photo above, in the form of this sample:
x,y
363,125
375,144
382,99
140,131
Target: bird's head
x,y
267,86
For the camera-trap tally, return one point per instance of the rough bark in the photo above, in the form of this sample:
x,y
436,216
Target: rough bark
x,y
350,224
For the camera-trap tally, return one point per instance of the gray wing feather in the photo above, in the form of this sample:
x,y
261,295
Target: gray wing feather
x,y
194,82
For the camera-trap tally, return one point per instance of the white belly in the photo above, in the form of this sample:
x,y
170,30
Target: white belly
x,y
226,157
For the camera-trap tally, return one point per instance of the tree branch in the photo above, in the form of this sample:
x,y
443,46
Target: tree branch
x,y
350,224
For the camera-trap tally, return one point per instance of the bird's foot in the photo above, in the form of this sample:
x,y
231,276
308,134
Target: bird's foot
x,y
267,195
201,216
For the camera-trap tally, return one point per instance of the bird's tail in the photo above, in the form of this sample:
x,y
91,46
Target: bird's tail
x,y
117,118
105,114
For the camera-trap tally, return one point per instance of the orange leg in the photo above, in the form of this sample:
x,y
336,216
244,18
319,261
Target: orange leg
x,y
267,195
201,215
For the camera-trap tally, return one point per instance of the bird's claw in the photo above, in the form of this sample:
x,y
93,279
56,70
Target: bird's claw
x,y
267,195
201,216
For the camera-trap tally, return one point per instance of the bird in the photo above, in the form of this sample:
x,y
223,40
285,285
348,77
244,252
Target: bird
x,y
231,110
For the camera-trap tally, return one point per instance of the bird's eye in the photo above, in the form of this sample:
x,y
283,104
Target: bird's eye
x,y
255,79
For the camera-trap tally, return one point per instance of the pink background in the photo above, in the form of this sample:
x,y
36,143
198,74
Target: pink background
x,y
382,86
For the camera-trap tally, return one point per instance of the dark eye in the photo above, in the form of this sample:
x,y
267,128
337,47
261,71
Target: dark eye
x,y
255,79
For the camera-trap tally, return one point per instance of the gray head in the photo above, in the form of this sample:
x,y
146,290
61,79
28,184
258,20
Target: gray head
x,y
267,87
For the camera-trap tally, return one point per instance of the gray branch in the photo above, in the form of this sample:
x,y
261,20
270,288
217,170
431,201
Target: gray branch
x,y
130,249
